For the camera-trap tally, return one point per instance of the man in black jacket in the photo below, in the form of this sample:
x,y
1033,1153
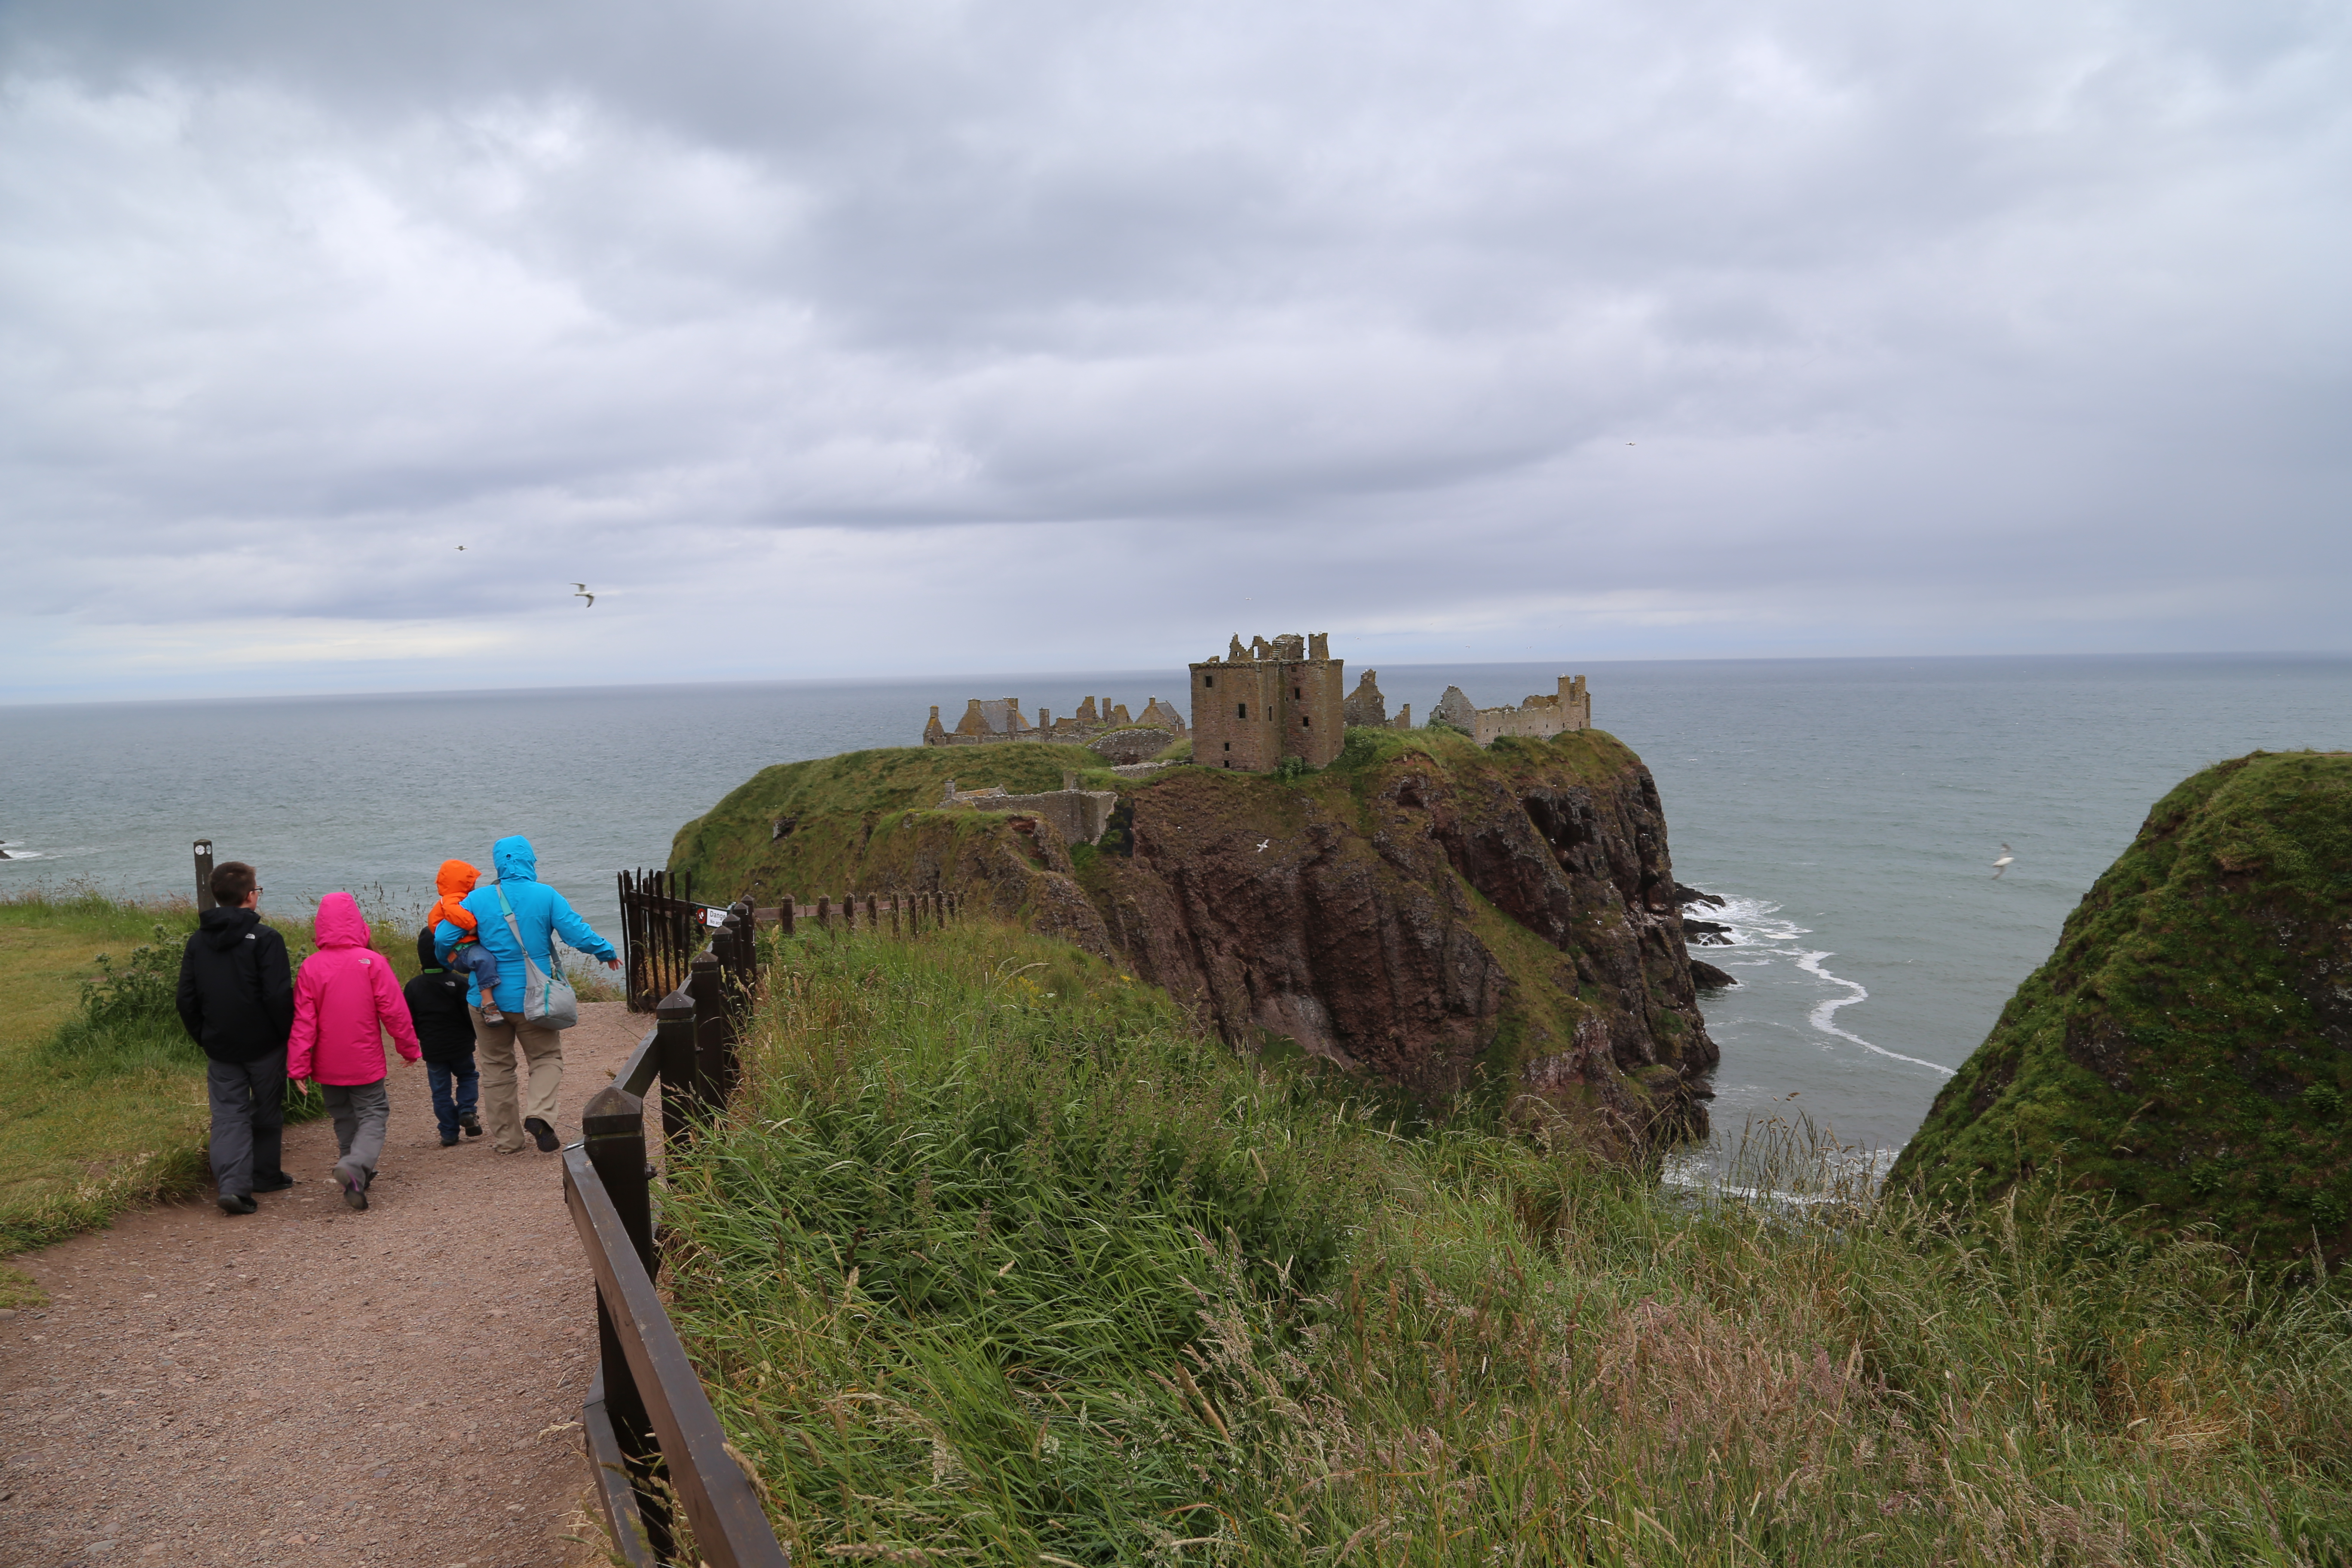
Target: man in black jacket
x,y
237,999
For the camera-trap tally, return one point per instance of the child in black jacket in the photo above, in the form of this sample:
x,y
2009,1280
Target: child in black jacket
x,y
436,1001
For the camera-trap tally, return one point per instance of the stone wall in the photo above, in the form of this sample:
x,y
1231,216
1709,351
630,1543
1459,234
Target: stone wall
x,y
988,722
1538,716
1079,815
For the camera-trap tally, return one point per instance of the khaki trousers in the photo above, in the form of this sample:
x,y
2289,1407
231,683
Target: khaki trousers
x,y
494,1049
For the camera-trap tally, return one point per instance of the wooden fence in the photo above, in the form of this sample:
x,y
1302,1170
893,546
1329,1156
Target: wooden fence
x,y
653,1440
662,925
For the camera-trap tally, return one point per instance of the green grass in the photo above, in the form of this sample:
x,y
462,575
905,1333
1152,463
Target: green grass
x,y
997,1260
101,1092
2183,1049
836,804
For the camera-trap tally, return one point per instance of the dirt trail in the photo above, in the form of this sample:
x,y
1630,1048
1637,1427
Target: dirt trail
x,y
312,1385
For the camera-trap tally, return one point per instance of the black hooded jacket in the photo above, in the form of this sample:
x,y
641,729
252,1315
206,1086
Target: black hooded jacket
x,y
437,1003
236,989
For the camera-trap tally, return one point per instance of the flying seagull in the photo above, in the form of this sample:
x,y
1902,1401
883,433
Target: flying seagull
x,y
1262,844
2008,857
584,593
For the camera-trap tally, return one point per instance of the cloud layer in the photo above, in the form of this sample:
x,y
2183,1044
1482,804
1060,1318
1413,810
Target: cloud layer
x,y
829,338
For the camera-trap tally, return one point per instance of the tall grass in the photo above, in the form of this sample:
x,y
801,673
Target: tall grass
x,y
998,1261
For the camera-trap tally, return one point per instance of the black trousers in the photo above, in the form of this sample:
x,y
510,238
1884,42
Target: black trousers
x,y
249,1121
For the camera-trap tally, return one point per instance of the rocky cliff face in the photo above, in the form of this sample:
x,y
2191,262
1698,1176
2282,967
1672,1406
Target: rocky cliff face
x,y
2189,1047
1447,918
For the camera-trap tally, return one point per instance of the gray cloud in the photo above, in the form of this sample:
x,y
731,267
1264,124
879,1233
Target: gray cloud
x,y
1045,334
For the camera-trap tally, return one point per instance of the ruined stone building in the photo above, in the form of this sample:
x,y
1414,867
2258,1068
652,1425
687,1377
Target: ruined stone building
x,y
985,720
1078,814
1367,708
1258,705
1539,717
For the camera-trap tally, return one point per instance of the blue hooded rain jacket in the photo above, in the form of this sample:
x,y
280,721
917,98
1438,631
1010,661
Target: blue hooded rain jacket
x,y
541,912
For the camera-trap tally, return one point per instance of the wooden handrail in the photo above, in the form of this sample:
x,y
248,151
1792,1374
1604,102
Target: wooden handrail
x,y
730,1529
648,1403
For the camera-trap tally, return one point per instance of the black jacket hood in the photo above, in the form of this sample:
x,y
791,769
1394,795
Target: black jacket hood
x,y
223,928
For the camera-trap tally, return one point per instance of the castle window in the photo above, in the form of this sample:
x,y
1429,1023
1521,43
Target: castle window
x,y
1208,680
1295,693
1241,710
1229,745
1305,723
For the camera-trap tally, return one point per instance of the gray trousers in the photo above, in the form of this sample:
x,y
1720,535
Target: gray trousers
x,y
249,1121
360,1112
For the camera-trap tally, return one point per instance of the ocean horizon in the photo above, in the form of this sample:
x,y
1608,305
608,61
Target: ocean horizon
x,y
1848,810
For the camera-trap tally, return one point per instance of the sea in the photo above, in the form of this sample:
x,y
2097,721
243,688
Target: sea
x,y
1849,812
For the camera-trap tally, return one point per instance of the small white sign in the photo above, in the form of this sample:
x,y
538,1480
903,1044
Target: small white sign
x,y
713,918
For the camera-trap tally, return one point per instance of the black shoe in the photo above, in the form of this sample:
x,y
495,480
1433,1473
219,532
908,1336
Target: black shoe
x,y
276,1184
471,1123
448,1140
355,1193
237,1202
542,1132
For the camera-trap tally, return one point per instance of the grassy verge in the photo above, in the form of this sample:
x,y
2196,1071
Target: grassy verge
x,y
101,1092
998,1261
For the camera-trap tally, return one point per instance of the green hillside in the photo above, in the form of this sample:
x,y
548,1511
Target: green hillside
x,y
2189,1047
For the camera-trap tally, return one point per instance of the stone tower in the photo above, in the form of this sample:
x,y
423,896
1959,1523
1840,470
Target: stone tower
x,y
1256,706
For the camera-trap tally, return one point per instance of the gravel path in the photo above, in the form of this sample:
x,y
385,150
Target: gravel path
x,y
311,1384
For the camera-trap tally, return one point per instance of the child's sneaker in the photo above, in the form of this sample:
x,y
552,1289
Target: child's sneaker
x,y
471,1123
490,1013
448,1140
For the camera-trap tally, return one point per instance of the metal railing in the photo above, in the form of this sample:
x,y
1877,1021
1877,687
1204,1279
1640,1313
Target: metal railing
x,y
653,1443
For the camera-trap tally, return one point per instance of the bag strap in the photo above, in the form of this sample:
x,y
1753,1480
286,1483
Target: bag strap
x,y
522,946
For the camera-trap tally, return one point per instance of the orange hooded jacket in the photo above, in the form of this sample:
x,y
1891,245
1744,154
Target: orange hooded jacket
x,y
456,879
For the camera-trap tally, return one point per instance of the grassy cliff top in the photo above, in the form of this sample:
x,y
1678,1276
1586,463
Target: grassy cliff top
x,y
839,798
2189,1047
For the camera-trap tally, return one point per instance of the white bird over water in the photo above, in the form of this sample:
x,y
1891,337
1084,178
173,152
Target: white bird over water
x,y
584,593
2008,859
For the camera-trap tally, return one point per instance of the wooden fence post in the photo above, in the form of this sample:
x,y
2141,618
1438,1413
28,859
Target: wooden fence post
x,y
674,1031
714,1035
873,920
612,1136
204,900
849,911
784,915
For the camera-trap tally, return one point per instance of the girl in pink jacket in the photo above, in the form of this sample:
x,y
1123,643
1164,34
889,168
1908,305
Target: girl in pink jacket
x,y
343,995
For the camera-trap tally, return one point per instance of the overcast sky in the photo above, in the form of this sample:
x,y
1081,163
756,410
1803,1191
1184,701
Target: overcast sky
x,y
825,339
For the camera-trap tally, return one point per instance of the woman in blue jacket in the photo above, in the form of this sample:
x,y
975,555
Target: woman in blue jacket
x,y
541,915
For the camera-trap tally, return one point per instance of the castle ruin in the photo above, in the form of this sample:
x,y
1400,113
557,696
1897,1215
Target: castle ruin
x,y
1273,699
987,722
1536,717
1252,708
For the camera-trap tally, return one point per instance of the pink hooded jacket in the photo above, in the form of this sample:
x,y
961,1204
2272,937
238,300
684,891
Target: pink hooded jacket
x,y
340,995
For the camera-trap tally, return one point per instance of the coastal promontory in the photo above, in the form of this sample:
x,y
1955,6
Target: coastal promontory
x,y
2187,1048
1445,916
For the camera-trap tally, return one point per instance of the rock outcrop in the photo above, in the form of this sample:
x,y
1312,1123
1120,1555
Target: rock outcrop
x,y
2189,1047
1448,919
